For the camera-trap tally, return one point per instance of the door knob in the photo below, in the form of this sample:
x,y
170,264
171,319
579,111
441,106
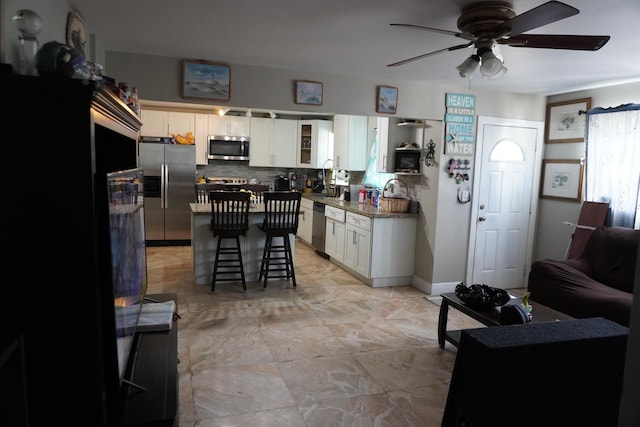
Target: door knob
x,y
482,218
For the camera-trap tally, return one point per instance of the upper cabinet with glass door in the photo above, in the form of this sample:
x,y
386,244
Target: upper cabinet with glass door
x,y
315,143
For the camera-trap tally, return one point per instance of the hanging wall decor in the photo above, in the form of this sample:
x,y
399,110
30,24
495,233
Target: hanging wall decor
x,y
387,99
308,92
204,79
565,123
562,179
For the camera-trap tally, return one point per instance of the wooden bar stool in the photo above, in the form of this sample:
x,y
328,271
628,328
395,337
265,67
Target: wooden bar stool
x,y
229,221
281,211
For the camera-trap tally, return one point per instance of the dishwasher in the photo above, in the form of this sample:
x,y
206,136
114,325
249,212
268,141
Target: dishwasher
x,y
318,229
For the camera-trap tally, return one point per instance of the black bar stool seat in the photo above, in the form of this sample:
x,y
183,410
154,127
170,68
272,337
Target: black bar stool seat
x,y
229,221
282,209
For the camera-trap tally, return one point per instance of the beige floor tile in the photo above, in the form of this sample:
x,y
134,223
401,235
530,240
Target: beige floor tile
x,y
332,352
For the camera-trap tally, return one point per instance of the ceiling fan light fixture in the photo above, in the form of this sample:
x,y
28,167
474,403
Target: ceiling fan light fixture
x,y
501,72
469,66
490,64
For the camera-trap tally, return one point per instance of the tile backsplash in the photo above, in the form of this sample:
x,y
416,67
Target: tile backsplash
x,y
263,175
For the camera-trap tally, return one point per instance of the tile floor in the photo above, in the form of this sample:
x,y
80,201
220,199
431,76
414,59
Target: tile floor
x,y
333,352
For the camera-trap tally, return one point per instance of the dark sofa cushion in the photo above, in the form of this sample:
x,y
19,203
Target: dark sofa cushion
x,y
612,253
563,287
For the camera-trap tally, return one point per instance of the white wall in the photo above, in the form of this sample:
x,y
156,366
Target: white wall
x,y
53,14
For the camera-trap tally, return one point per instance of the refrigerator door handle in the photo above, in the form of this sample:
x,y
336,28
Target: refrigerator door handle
x,y
166,186
163,186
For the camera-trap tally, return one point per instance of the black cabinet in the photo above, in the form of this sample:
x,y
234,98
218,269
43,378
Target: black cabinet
x,y
60,137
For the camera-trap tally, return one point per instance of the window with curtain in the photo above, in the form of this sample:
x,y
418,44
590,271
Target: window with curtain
x,y
613,162
373,178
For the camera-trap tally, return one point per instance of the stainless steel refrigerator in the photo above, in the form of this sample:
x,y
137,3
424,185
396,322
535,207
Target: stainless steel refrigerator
x,y
169,179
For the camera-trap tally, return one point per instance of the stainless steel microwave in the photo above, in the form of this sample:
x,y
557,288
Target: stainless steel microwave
x,y
228,148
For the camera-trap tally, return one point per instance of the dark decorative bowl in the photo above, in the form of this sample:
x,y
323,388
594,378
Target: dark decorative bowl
x,y
481,296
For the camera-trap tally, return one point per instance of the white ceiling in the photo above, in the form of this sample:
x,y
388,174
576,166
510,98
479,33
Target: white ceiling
x,y
353,37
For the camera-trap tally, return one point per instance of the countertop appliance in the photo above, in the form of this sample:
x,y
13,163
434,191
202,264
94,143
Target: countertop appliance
x,y
230,183
228,148
281,183
318,229
169,171
408,160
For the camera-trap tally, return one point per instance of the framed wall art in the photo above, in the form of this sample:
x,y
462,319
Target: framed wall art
x,y
387,99
206,80
308,92
565,123
76,33
562,180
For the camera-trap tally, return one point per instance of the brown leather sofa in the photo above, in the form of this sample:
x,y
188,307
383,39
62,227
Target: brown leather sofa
x,y
597,284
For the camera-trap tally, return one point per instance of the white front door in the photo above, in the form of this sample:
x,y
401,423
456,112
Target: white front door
x,y
507,174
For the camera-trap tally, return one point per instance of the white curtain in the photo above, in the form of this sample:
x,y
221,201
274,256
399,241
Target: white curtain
x,y
613,162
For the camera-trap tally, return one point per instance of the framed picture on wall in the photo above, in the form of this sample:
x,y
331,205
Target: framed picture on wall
x,y
566,121
308,92
387,99
205,80
562,180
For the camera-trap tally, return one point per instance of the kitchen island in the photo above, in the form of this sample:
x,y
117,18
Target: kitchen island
x,y
203,244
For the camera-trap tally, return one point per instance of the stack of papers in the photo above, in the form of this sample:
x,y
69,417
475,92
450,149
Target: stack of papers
x,y
156,316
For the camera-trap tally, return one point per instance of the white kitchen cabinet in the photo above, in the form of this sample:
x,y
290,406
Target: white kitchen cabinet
x,y
273,142
393,242
154,123
285,133
305,223
165,123
202,141
378,250
314,143
350,142
334,233
357,252
379,126
229,125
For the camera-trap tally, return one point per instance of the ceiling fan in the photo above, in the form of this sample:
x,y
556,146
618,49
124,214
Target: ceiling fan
x,y
487,24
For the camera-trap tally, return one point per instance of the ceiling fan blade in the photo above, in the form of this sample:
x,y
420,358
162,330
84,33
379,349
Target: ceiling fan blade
x,y
415,58
544,14
436,30
550,41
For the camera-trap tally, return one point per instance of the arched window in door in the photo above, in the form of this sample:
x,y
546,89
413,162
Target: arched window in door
x,y
506,151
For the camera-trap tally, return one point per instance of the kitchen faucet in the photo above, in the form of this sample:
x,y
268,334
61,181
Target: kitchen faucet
x,y
324,178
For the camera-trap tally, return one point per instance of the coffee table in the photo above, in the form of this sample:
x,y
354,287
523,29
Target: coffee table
x,y
487,316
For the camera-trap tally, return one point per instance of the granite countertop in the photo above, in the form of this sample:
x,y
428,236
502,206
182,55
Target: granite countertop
x,y
366,209
363,209
205,208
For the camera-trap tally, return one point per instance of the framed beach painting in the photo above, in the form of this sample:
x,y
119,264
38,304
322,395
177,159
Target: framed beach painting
x,y
562,180
387,99
205,80
308,92
566,120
